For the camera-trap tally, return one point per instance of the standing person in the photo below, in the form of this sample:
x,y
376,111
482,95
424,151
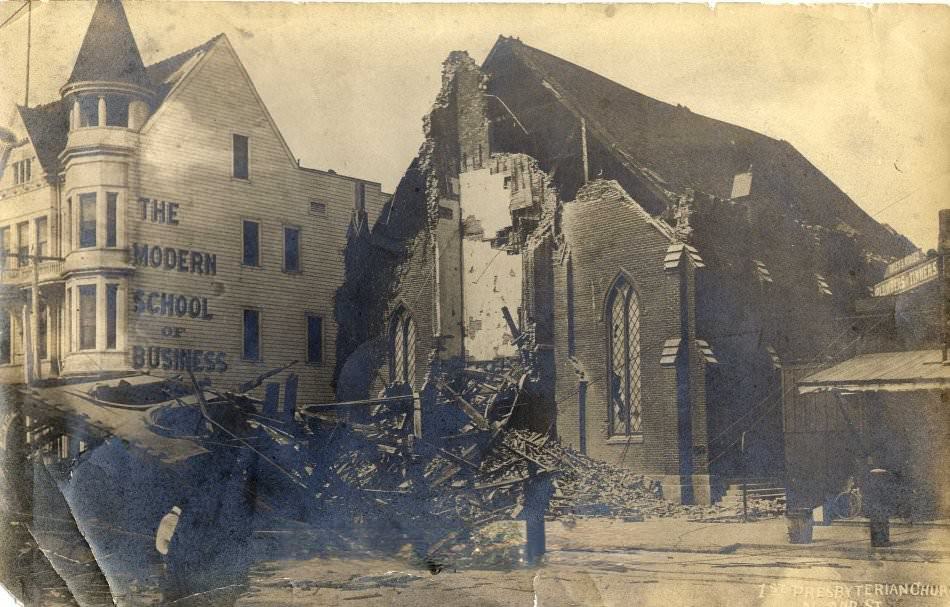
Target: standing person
x,y
879,502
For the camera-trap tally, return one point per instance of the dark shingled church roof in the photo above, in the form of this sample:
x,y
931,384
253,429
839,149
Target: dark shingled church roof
x,y
677,149
109,52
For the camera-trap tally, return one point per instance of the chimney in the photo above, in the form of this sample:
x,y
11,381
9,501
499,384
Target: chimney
x,y
943,248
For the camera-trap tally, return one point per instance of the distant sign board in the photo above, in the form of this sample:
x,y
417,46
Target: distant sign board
x,y
908,279
905,262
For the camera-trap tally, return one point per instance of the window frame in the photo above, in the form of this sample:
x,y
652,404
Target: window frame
x,y
260,334
403,370
632,367
111,315
307,316
283,259
86,196
37,221
260,229
247,157
80,347
5,242
23,250
6,337
112,220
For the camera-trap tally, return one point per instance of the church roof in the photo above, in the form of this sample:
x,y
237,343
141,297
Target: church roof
x,y
675,149
109,52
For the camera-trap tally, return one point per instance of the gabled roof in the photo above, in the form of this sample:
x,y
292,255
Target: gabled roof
x,y
166,73
672,148
109,52
47,127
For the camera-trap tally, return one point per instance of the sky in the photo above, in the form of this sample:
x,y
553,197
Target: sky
x,y
863,93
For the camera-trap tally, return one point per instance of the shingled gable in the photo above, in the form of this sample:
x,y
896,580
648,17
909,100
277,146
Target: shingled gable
x,y
672,149
108,52
47,126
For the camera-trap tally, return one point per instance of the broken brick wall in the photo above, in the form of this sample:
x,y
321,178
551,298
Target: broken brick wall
x,y
385,267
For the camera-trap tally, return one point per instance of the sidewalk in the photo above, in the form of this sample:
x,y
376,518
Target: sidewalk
x,y
924,543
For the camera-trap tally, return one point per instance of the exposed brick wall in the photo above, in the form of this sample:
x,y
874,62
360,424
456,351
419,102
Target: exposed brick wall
x,y
594,228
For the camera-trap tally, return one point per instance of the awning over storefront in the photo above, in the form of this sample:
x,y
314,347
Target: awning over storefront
x,y
884,372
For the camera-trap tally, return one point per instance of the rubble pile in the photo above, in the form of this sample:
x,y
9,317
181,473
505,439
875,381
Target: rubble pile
x,y
592,488
466,468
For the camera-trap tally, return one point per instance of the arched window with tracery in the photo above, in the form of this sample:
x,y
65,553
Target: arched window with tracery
x,y
402,347
623,326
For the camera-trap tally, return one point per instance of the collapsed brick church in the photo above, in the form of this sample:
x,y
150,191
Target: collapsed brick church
x,y
665,265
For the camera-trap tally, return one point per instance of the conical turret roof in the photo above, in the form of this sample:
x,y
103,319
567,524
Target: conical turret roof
x,y
109,52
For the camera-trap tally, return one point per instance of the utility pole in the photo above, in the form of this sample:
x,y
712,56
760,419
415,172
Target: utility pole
x,y
29,42
745,482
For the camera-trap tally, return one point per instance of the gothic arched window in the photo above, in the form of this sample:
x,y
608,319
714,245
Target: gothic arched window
x,y
402,347
623,326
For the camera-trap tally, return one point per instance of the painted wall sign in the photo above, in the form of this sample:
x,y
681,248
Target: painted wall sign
x,y
170,304
908,279
179,359
159,211
171,258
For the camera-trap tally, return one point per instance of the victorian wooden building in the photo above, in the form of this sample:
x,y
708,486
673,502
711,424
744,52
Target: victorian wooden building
x,y
166,224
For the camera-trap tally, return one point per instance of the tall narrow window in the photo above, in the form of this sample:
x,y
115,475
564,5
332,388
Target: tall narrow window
x,y
291,249
252,244
314,339
112,202
5,337
402,347
23,243
239,149
87,220
87,317
5,245
112,292
68,317
22,171
42,332
623,308
252,335
42,236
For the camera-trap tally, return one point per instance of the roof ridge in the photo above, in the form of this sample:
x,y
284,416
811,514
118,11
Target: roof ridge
x,y
517,42
192,50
